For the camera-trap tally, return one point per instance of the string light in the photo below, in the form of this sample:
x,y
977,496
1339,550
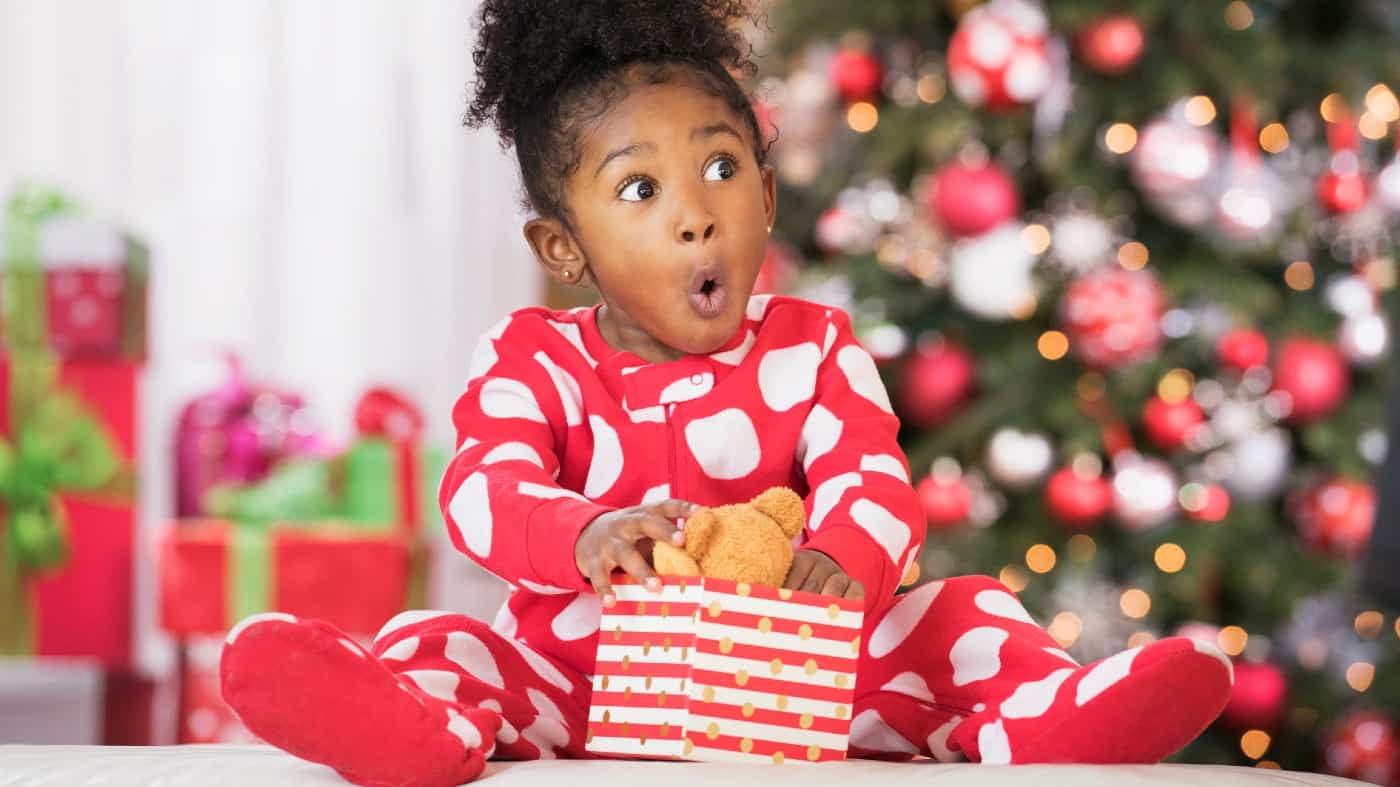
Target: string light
x,y
1141,638
1082,547
1359,676
1175,386
1035,238
1132,256
1053,345
1200,110
1372,127
1254,743
1232,640
1170,558
1397,628
1369,623
1014,578
1312,653
1040,559
862,116
1332,107
1299,275
1065,628
1381,102
1238,16
1120,138
1274,138
1135,603
931,88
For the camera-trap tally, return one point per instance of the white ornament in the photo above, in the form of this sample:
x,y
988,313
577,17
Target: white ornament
x,y
1388,186
1173,157
1144,492
1259,465
1018,459
991,273
1350,296
1081,241
1364,339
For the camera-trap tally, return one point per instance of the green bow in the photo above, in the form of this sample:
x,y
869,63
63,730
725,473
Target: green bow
x,y
55,443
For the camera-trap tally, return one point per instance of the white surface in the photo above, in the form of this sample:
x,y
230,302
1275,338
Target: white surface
x,y
221,766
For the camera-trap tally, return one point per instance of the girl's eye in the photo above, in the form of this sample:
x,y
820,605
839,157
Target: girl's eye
x,y
720,169
638,190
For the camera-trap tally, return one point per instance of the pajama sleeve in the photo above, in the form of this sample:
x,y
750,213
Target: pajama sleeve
x,y
500,497
862,511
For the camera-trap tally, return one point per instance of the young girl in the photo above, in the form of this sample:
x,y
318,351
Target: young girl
x,y
585,435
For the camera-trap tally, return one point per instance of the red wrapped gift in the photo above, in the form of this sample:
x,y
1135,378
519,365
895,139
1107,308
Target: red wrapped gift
x,y
204,716
215,573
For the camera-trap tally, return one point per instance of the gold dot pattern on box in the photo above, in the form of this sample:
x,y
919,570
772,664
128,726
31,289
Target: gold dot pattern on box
x,y
646,647
741,677
782,702
666,645
747,710
689,746
775,666
810,667
605,682
777,758
785,593
589,737
746,745
661,697
712,731
832,611
627,693
624,728
665,609
682,684
617,633
813,752
765,625
641,608
840,681
855,645
708,694
642,739
714,609
665,728
806,721
685,653
743,589
695,616
626,663
804,631
841,711
726,645
647,682
607,716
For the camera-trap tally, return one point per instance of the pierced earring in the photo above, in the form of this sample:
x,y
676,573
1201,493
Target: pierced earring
x,y
770,227
568,274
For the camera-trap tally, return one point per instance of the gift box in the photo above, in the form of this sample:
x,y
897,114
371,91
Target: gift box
x,y
714,670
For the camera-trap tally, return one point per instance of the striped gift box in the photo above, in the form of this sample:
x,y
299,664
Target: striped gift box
x,y
710,669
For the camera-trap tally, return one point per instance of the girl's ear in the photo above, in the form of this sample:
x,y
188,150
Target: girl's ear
x,y
557,251
770,195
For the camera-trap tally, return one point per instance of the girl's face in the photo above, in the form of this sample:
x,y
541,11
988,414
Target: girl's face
x,y
671,215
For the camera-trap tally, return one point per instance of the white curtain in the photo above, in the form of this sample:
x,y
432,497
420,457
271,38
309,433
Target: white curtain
x,y
301,173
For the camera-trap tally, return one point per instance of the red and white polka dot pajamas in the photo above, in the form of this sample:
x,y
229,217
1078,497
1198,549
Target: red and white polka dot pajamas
x,y
555,428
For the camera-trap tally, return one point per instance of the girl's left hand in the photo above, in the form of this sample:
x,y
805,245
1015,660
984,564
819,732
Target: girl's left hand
x,y
814,572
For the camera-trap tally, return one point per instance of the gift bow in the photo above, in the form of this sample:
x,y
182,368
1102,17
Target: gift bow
x,y
387,414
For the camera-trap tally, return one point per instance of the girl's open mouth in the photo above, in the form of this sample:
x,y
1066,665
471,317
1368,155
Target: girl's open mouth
x,y
707,292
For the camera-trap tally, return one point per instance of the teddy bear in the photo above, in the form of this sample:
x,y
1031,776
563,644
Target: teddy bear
x,y
743,542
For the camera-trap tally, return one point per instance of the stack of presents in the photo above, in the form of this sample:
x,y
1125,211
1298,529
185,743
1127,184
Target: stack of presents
x,y
269,514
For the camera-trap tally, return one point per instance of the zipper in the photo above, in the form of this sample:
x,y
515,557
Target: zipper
x,y
672,480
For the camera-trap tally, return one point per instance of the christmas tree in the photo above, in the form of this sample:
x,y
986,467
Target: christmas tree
x,y
1126,266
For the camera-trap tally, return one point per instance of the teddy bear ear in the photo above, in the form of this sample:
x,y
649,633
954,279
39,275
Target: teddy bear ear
x,y
699,529
785,507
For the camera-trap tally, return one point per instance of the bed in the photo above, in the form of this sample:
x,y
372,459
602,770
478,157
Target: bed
x,y
262,766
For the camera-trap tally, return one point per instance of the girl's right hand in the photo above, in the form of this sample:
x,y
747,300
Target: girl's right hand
x,y
610,541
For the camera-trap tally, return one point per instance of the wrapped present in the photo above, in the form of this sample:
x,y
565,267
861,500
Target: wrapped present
x,y
65,479
713,670
90,276
204,716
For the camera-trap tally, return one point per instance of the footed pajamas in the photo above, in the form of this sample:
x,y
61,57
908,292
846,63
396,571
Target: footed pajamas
x,y
555,428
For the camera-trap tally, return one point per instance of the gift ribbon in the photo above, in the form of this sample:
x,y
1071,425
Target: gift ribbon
x,y
387,414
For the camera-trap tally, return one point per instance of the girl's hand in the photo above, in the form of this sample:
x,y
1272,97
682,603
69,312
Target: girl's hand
x,y
814,572
611,541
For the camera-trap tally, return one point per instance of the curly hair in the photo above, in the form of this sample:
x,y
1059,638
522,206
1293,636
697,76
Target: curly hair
x,y
545,69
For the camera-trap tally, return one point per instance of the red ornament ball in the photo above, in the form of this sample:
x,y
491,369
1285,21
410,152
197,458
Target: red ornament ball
x,y
1335,517
946,501
857,75
970,200
1111,44
1314,375
1259,698
1342,192
1205,503
1365,746
937,381
1171,424
997,57
1113,317
1243,349
1078,500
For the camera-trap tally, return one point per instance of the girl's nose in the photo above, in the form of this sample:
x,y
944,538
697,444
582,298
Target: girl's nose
x,y
688,231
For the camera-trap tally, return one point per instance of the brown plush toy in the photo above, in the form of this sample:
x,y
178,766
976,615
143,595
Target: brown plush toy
x,y
745,542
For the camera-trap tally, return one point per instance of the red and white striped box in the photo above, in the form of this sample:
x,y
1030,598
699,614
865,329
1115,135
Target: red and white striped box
x,y
714,670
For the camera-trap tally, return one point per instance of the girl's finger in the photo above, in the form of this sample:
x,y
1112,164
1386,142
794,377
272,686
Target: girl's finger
x,y
672,508
801,568
598,575
659,529
836,585
631,561
815,580
855,590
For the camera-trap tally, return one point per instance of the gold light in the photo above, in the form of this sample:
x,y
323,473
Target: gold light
x,y
862,116
1120,138
1254,743
1053,345
1132,256
1141,638
1299,275
1332,107
1369,624
931,88
1170,558
1135,603
1014,578
1381,102
1371,126
1035,238
1082,547
1065,628
1175,386
1040,558
1359,676
1232,640
1200,110
1274,138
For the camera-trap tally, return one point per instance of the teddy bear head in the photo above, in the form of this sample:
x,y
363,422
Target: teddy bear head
x,y
744,542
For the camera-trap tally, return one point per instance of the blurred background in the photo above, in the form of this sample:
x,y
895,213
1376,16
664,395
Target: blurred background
x,y
1128,269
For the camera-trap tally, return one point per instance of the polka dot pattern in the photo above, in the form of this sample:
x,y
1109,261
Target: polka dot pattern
x,y
725,445
470,511
788,376
977,655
